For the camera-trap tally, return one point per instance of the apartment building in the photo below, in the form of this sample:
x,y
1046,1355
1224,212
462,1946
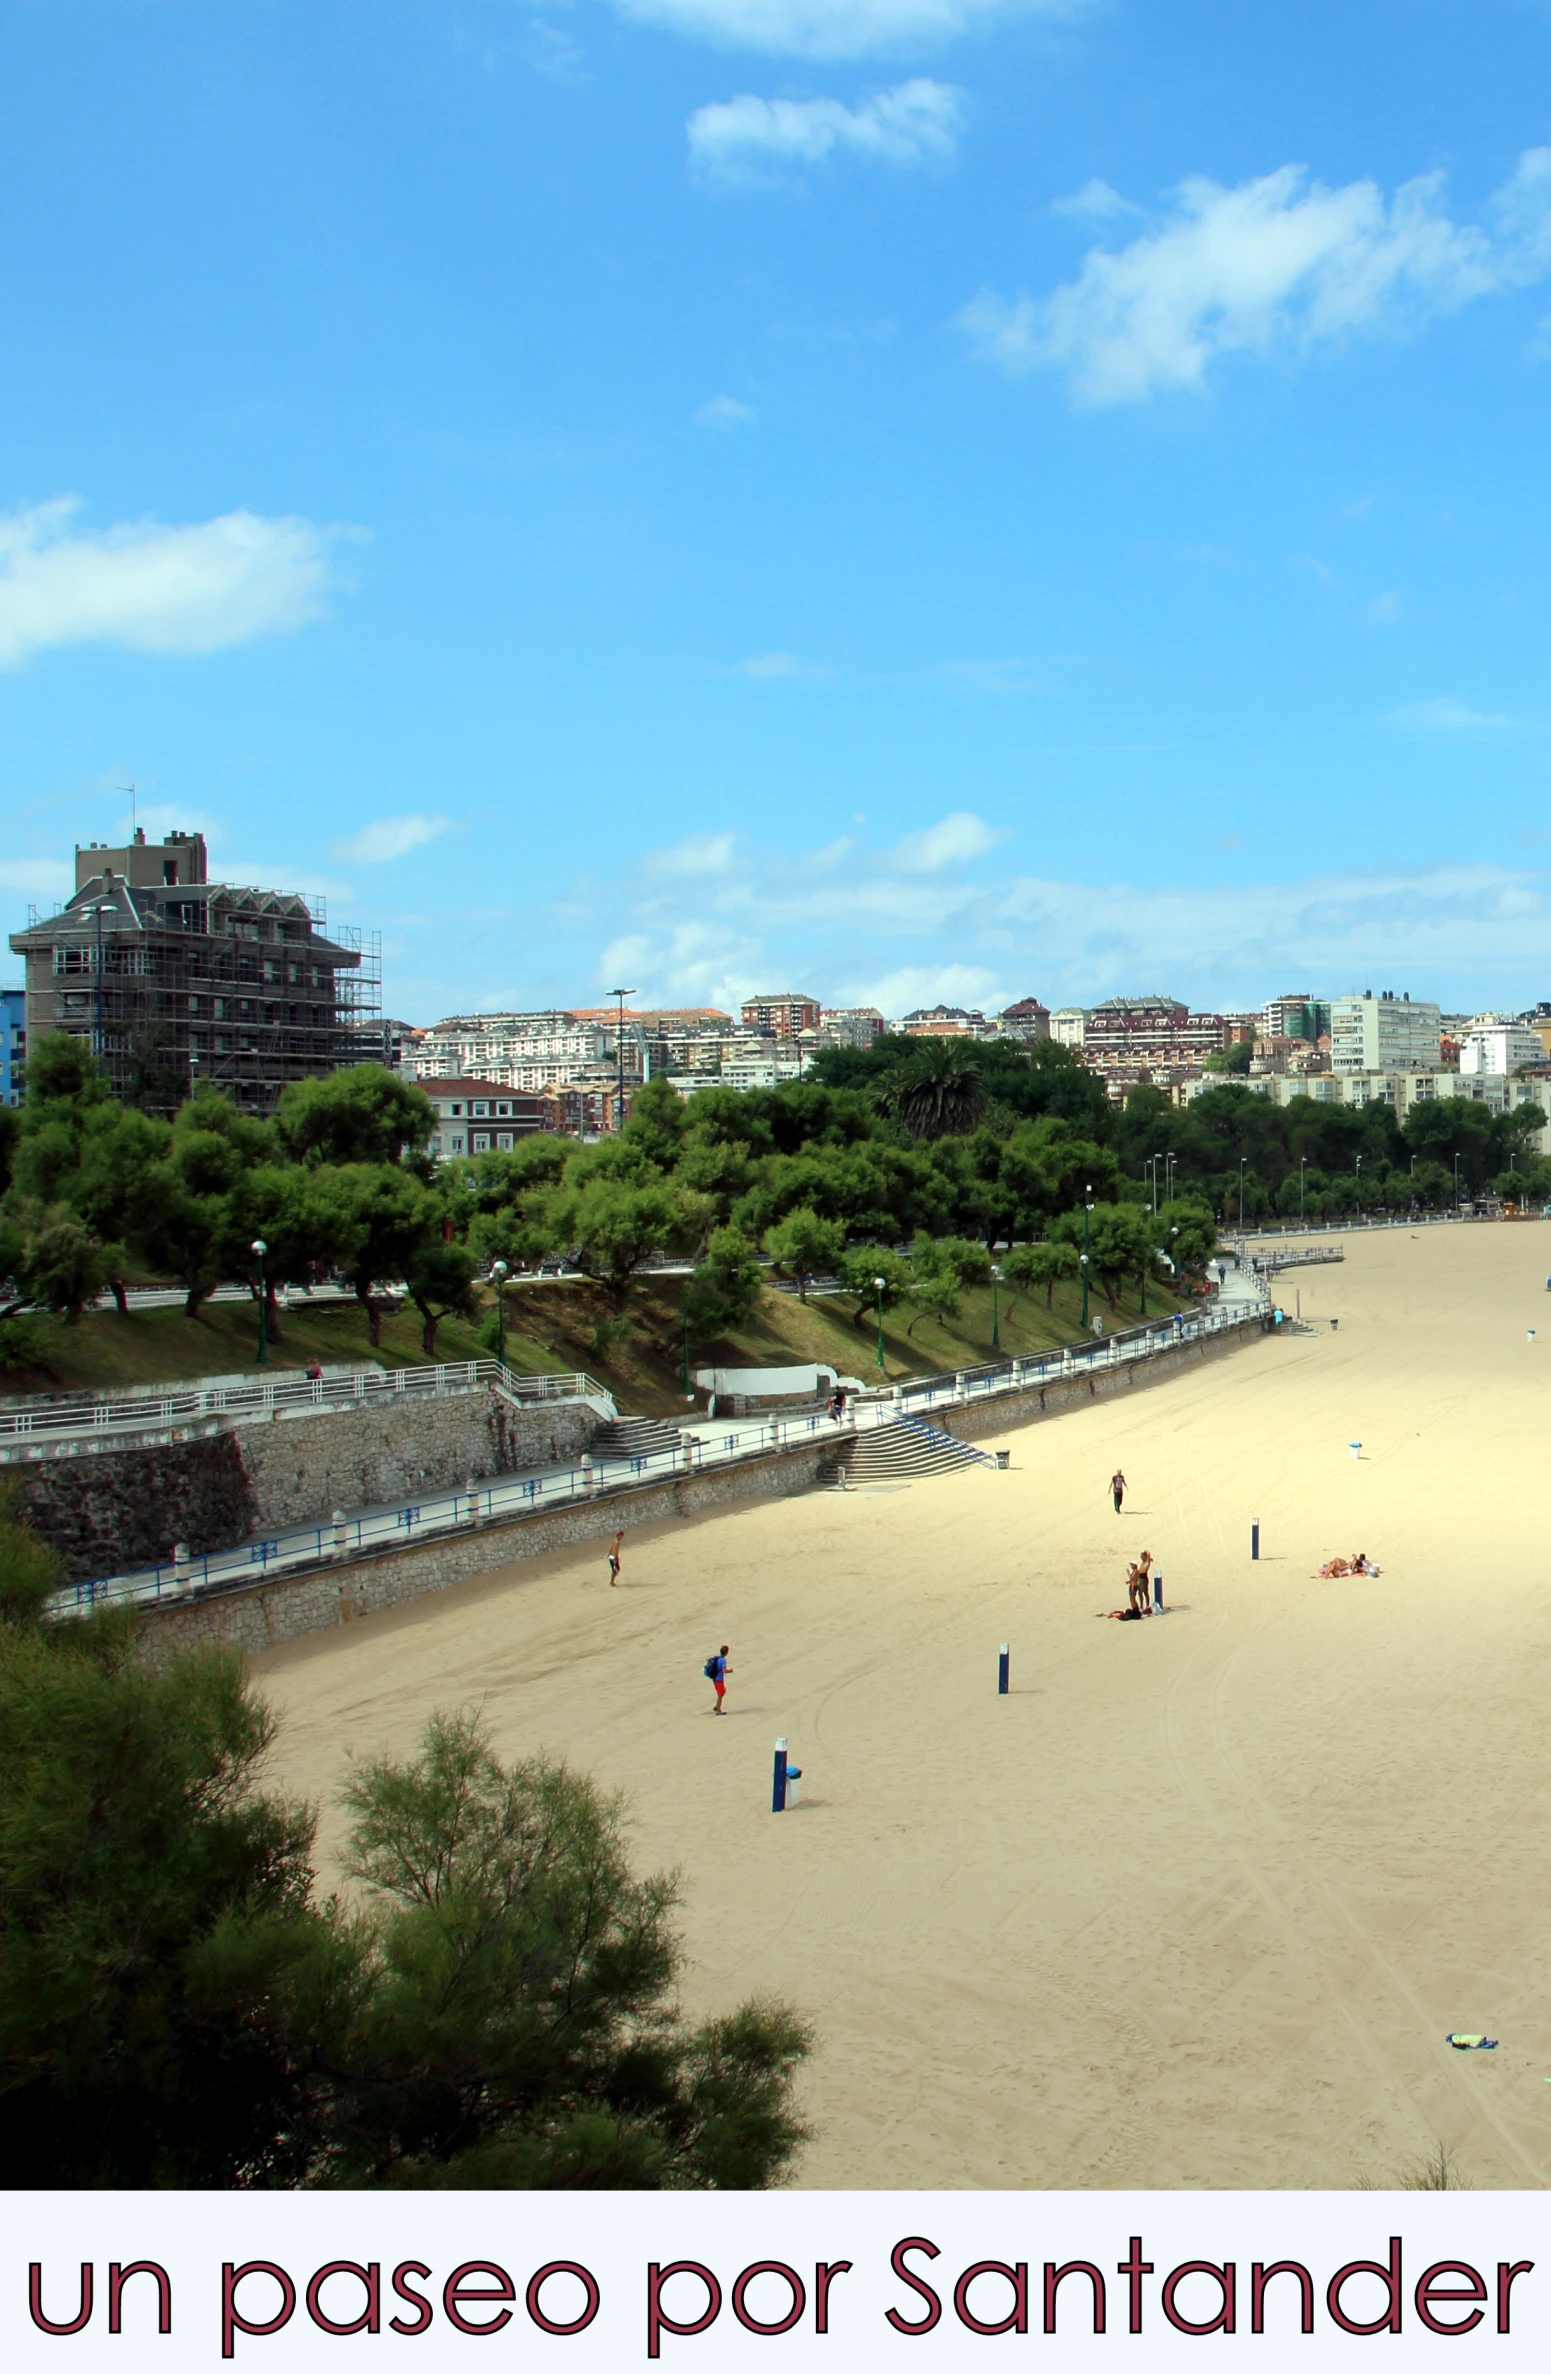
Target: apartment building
x,y
1133,1037
850,1026
1068,1025
1384,1033
782,1013
1297,1015
1493,1044
174,979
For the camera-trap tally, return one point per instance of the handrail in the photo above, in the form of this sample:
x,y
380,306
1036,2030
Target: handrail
x,y
715,1443
96,1414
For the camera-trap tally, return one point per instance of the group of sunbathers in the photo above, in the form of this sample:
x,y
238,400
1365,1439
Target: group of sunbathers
x,y
1360,1564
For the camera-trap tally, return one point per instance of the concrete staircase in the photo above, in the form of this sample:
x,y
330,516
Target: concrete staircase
x,y
636,1438
904,1450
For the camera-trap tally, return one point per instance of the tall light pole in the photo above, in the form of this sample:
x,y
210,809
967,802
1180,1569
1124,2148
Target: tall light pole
x,y
499,1273
1243,1161
259,1247
996,1324
1303,1164
1087,1208
1456,1182
1168,1178
619,1050
880,1284
1359,1186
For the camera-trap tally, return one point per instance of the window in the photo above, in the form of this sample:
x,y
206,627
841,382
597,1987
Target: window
x,y
457,1112
457,1144
481,1112
482,1141
503,1111
504,1141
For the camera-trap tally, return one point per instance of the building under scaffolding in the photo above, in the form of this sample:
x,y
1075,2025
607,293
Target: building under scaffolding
x,y
176,979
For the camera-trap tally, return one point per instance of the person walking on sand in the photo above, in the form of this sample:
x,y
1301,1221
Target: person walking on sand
x,y
716,1671
614,1557
1117,1489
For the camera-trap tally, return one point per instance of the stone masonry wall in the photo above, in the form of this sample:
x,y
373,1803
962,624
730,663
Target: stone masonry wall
x,y
265,1615
262,1616
112,1511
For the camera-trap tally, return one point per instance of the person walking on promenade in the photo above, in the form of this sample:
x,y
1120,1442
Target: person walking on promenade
x,y
716,1671
1117,1489
614,1557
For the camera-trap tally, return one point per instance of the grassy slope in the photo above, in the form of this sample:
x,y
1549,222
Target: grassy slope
x,y
556,1326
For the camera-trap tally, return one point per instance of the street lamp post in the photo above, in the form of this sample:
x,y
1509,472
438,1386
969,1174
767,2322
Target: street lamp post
x,y
880,1284
1243,1162
1168,1177
1359,1186
619,1051
1303,1164
1456,1182
259,1247
499,1272
996,1324
1087,1208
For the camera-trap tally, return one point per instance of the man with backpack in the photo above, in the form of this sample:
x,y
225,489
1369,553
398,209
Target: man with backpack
x,y
716,1670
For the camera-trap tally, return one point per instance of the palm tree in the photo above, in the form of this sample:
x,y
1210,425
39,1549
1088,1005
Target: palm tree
x,y
938,1092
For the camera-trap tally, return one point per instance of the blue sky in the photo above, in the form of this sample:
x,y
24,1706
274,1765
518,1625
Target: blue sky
x,y
899,498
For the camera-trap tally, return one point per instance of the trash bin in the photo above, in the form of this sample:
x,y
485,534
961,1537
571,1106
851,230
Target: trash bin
x,y
793,1786
1004,1458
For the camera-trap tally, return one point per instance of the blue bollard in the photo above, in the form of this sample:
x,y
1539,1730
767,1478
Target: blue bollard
x,y
1254,1539
1003,1669
778,1780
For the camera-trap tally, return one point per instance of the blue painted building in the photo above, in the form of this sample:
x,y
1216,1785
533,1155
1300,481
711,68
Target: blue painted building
x,y
13,1044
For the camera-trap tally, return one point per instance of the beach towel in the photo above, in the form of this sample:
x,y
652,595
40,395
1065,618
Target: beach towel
x,y
1470,2044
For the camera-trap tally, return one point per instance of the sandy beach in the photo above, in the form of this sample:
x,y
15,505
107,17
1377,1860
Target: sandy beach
x,y
1196,1903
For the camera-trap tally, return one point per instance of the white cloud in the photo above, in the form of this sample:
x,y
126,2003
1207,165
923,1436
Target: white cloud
x,y
698,853
391,836
835,28
1445,717
771,667
916,123
952,843
154,588
869,926
1096,201
725,412
1280,263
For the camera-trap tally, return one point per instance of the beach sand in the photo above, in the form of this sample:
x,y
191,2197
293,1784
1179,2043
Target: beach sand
x,y
1196,1903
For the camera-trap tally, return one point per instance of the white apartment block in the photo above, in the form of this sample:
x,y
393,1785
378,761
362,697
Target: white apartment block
x,y
850,1026
1383,1034
1069,1025
1497,1045
523,1051
1403,1090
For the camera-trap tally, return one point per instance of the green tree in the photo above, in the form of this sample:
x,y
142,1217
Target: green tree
x,y
1048,1265
805,1247
383,1217
723,1289
363,1114
65,1267
861,1268
520,2028
615,1222
1121,1243
166,1989
440,1278
937,1091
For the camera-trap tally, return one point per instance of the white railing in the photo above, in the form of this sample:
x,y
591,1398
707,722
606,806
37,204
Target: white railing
x,y
712,1444
87,1418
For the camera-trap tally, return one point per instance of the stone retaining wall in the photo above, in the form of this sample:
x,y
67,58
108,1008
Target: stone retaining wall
x,y
264,1615
112,1511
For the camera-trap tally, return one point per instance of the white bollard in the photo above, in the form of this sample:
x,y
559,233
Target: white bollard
x,y
1529,1335
793,1786
1355,1449
182,1566
341,1532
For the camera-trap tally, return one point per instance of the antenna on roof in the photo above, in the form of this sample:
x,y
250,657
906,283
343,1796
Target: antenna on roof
x,y
134,812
